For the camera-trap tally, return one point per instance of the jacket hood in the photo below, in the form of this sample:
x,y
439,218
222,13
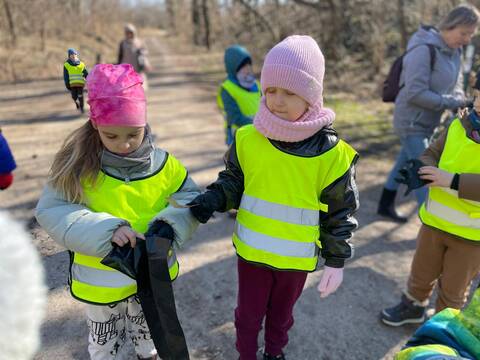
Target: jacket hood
x,y
234,56
429,35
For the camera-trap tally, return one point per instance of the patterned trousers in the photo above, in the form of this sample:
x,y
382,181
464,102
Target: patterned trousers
x,y
110,325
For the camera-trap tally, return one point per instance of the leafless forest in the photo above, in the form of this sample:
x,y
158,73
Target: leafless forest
x,y
358,37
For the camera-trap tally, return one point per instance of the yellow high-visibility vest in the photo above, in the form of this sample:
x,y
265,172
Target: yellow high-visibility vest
x,y
278,219
138,202
247,101
443,209
75,73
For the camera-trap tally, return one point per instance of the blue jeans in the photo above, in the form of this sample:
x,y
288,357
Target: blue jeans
x,y
412,147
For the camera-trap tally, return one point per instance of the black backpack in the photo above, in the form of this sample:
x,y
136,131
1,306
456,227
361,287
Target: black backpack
x,y
391,85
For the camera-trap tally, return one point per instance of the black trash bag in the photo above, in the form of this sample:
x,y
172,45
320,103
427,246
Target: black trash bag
x,y
121,258
157,298
409,175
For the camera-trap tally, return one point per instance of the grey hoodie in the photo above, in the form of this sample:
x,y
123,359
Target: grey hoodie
x,y
426,93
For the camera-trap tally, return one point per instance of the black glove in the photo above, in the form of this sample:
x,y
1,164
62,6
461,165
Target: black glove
x,y
161,229
469,104
121,258
158,228
204,205
409,175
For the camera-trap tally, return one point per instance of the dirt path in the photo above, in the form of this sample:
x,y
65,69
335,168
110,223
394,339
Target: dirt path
x,y
36,117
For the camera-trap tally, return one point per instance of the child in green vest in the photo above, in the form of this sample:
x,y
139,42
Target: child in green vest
x,y
239,95
448,243
74,75
109,184
293,181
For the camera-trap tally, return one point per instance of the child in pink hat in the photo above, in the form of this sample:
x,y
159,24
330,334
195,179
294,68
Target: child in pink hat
x,y
109,185
293,182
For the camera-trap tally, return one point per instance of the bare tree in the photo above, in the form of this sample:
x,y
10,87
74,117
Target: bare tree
x,y
263,20
196,22
402,24
171,14
206,23
11,26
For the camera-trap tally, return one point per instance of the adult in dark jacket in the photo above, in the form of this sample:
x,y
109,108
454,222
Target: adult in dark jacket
x,y
427,92
132,50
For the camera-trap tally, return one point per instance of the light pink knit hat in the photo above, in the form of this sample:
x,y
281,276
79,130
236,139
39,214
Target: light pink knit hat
x,y
296,64
116,96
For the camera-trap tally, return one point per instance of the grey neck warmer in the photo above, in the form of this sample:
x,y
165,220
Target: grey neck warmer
x,y
135,162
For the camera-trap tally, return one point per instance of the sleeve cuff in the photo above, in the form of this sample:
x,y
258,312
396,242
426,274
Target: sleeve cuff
x,y
335,263
455,182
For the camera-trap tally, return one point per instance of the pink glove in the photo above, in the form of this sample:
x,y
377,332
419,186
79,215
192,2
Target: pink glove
x,y
330,281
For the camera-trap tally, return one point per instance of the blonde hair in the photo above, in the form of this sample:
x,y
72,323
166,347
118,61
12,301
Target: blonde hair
x,y
78,160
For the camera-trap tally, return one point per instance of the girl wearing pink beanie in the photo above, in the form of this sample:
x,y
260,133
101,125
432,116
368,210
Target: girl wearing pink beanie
x,y
108,186
293,181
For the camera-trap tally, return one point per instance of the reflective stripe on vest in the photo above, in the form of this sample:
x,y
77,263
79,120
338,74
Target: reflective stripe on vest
x,y
443,208
75,73
278,219
137,201
280,212
248,102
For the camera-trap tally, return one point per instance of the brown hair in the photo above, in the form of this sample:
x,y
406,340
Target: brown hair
x,y
462,15
78,160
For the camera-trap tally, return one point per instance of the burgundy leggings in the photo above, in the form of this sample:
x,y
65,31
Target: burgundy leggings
x,y
264,292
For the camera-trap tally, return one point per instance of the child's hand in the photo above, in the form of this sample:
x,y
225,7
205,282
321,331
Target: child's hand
x,y
125,234
204,205
330,281
438,177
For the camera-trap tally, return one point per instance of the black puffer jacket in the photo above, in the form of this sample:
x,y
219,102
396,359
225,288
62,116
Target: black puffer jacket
x,y
336,225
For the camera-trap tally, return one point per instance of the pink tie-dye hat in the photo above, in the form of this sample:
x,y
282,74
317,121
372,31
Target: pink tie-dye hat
x,y
116,96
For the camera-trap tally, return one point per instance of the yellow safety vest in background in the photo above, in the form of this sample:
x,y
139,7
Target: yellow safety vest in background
x,y
247,101
138,202
443,209
75,73
278,218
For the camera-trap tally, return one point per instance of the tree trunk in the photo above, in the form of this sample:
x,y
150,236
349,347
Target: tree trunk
x,y
171,13
402,24
42,37
196,22
11,26
335,30
206,22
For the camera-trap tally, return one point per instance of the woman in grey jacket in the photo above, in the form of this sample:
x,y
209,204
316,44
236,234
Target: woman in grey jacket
x,y
426,91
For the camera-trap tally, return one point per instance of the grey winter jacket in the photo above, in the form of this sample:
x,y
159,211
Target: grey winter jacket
x,y
425,93
82,230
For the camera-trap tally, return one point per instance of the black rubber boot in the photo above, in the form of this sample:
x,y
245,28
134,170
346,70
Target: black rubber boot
x,y
386,206
154,357
406,312
80,100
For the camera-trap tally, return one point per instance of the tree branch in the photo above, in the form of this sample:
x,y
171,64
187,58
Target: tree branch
x,y
259,16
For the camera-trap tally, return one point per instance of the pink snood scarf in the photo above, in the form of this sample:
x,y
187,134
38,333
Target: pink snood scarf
x,y
275,128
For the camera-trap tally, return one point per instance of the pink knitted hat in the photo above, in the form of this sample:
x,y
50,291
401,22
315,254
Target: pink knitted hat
x,y
296,64
116,96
